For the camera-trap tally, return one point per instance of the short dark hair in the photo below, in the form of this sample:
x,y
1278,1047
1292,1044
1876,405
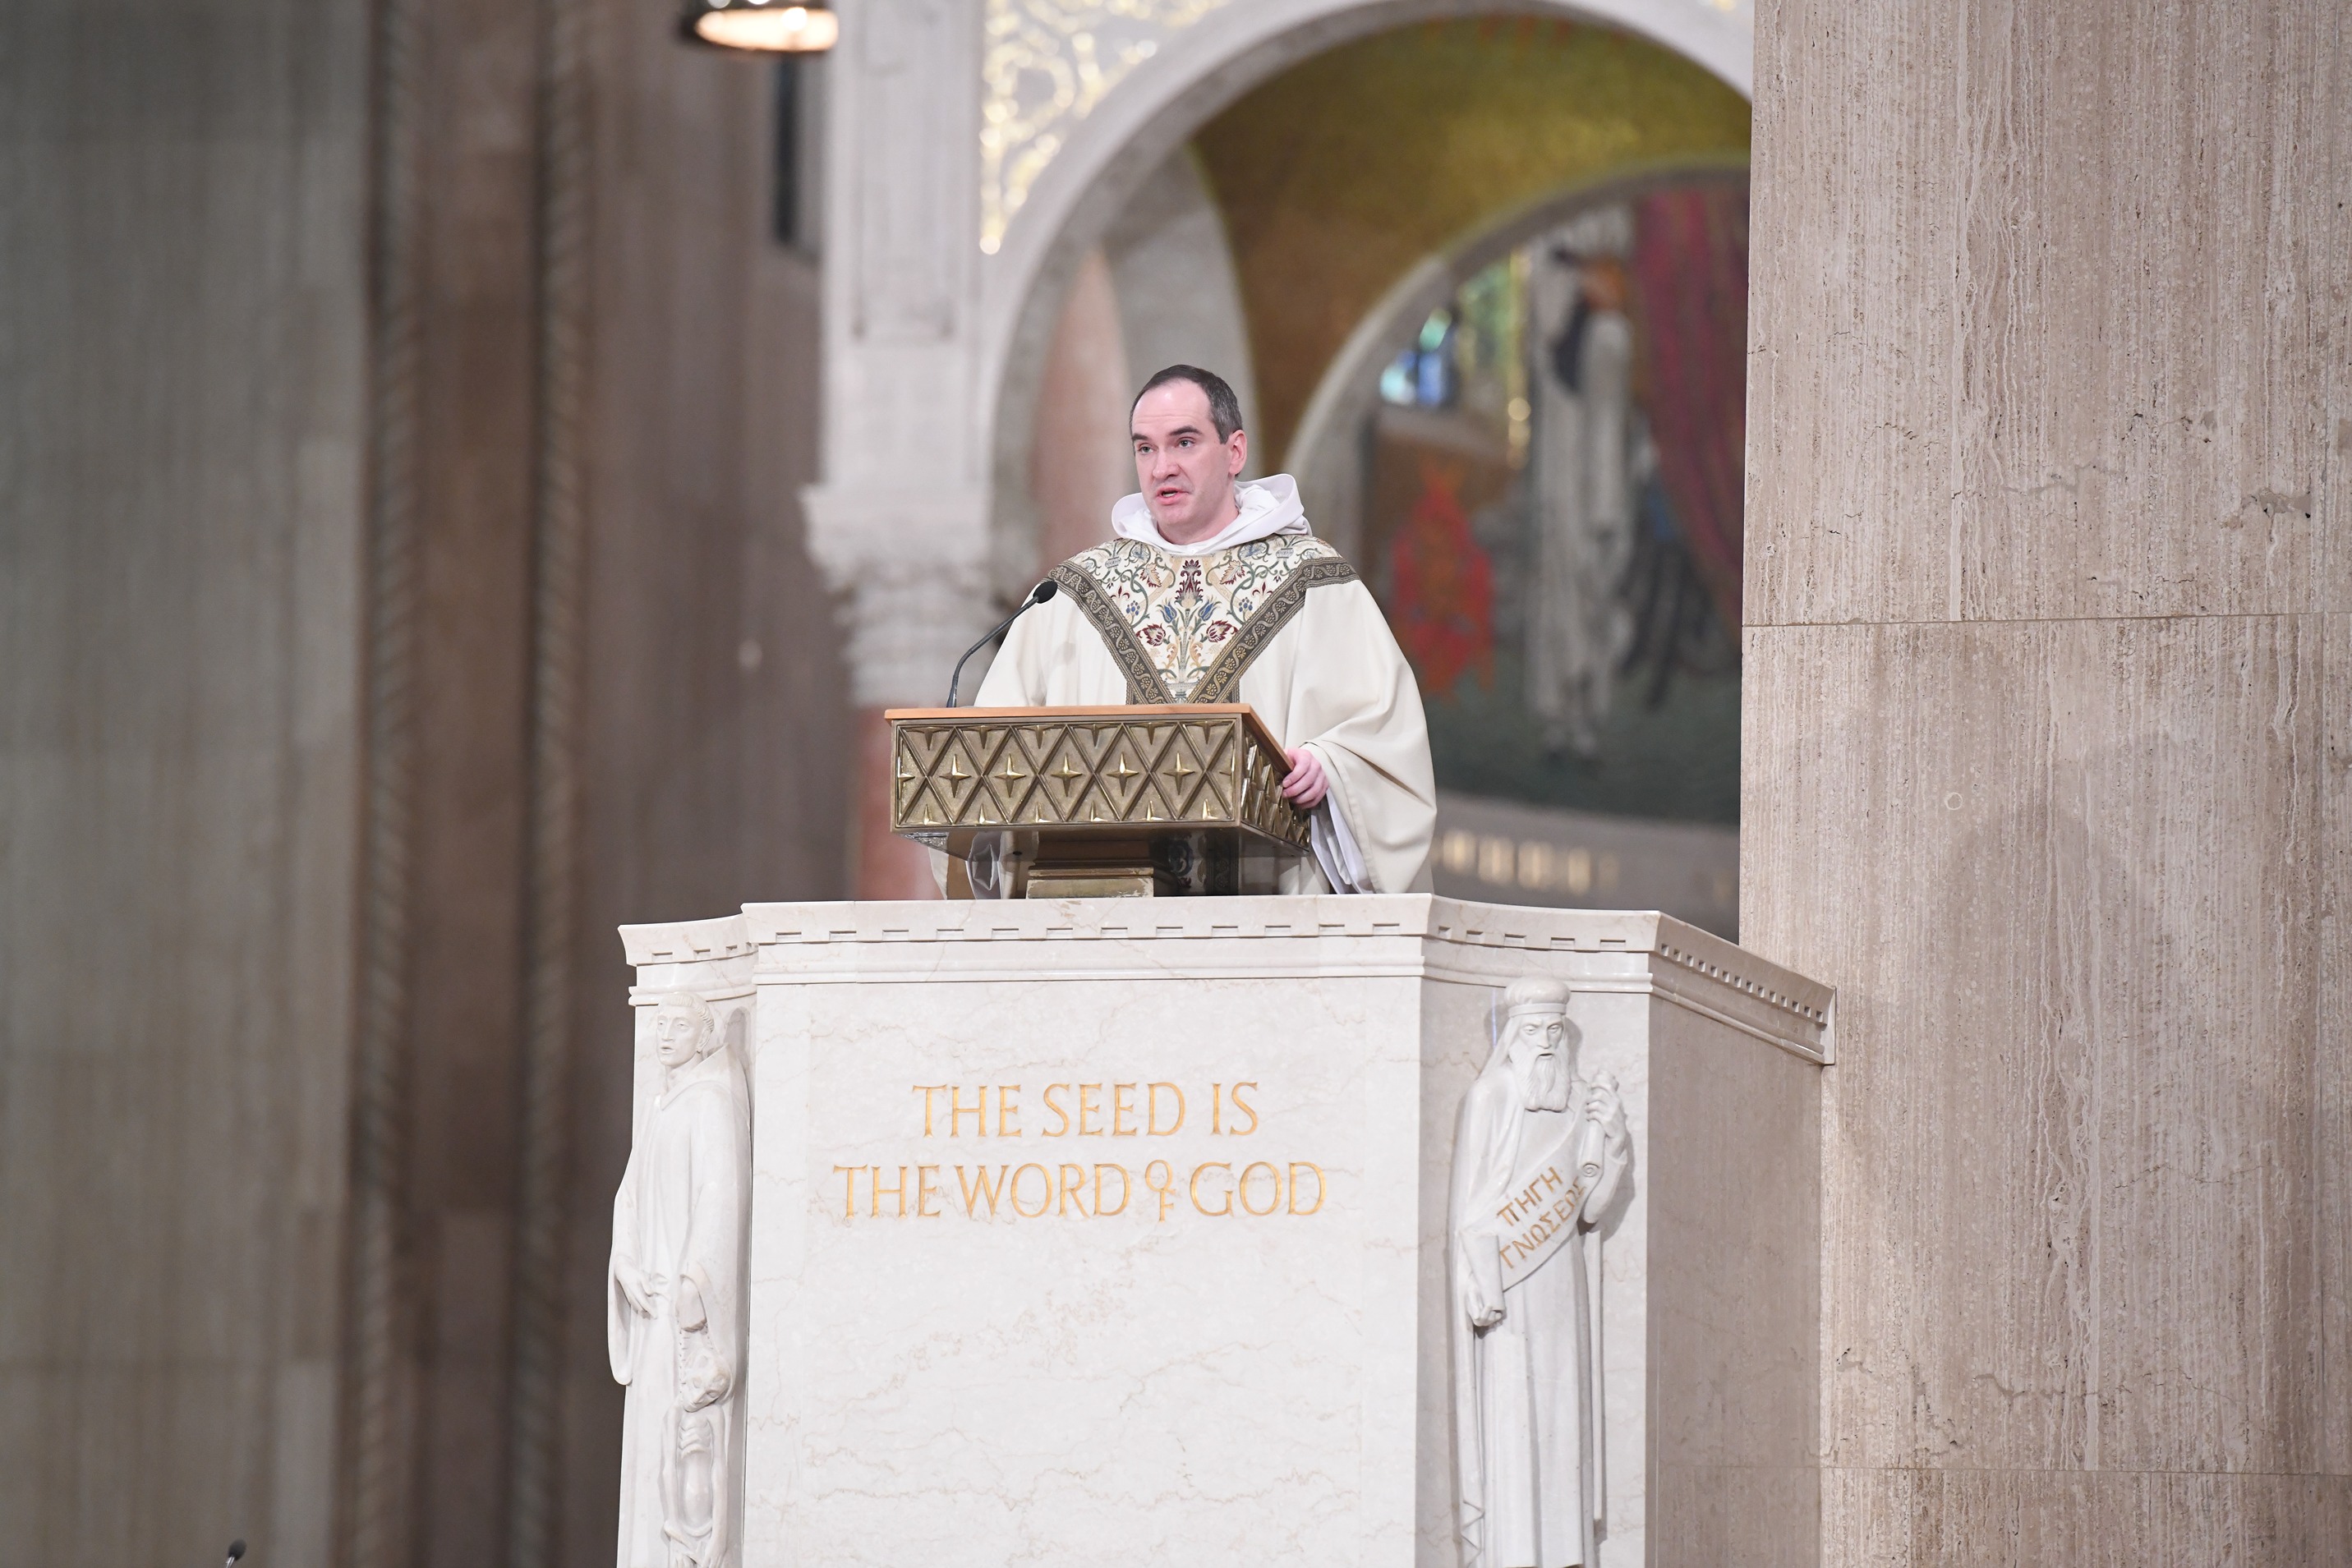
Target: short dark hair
x,y
1225,408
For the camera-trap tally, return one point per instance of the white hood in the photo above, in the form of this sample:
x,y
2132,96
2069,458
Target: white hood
x,y
1269,507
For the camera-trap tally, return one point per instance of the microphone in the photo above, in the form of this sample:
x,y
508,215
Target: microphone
x,y
1037,595
236,1551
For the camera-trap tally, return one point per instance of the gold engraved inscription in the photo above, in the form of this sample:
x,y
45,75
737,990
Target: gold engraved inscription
x,y
1539,1219
1077,1189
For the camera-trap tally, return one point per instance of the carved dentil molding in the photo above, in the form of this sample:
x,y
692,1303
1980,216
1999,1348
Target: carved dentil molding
x,y
687,941
1484,943
908,620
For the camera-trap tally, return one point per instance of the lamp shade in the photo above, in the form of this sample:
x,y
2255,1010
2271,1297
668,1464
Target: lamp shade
x,y
765,27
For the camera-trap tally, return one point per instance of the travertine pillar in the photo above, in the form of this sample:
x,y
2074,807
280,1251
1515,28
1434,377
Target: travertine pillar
x,y
910,569
2049,692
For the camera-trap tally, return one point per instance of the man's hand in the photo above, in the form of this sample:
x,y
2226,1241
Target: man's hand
x,y
1482,1312
690,1314
635,1289
1603,1103
1307,783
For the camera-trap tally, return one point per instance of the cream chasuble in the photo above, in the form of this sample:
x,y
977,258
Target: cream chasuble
x,y
1279,623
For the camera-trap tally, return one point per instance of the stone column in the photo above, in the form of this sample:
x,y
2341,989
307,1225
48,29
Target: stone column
x,y
899,524
2049,692
909,566
183,452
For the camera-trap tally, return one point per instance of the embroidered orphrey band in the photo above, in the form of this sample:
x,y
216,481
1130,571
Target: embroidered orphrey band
x,y
1224,676
1145,684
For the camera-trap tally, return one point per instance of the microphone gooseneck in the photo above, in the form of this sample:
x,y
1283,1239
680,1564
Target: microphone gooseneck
x,y
1037,595
236,1551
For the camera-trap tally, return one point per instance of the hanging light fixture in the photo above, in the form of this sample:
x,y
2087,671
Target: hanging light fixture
x,y
765,27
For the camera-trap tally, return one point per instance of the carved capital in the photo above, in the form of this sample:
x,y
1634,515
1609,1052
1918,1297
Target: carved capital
x,y
912,567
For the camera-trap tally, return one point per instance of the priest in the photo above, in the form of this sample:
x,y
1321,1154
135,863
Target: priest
x,y
1215,590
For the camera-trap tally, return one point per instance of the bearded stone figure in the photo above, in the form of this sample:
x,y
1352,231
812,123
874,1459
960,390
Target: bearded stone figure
x,y
1539,1153
673,1313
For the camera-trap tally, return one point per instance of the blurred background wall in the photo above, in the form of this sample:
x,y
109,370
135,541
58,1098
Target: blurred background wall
x,y
406,407
184,361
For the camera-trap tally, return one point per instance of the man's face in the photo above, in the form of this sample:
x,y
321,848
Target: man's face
x,y
1538,1036
678,1035
1185,472
1539,1059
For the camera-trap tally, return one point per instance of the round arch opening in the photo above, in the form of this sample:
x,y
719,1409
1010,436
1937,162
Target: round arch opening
x,y
1271,243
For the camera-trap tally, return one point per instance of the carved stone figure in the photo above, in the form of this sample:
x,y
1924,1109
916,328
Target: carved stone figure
x,y
1538,1155
674,1299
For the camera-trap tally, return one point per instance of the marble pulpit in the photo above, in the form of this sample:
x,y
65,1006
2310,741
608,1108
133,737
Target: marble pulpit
x,y
1132,1230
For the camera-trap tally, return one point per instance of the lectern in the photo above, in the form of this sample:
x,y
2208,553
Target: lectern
x,y
1060,802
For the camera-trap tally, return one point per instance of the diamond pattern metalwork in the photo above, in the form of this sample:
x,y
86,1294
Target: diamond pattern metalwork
x,y
1142,768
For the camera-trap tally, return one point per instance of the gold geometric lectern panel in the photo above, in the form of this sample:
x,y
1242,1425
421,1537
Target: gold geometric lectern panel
x,y
1088,771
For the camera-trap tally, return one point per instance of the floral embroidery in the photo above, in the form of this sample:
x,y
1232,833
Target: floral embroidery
x,y
1185,627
